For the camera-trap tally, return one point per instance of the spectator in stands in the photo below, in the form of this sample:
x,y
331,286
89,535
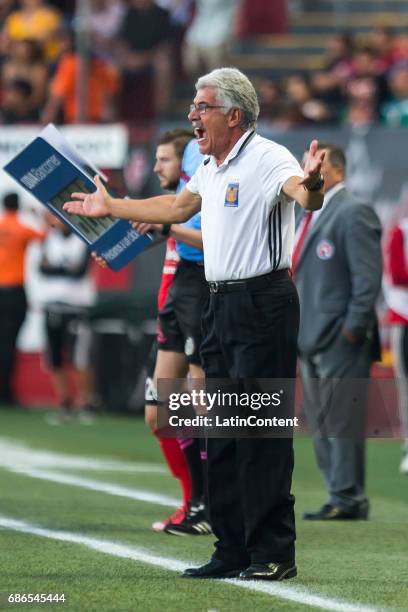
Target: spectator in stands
x,y
383,44
366,70
289,117
299,91
15,237
67,293
105,22
362,103
270,99
329,89
35,20
330,83
395,112
16,105
339,55
208,38
395,286
102,87
24,61
143,54
181,12
401,48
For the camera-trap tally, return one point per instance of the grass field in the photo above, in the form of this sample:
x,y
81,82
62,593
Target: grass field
x,y
83,528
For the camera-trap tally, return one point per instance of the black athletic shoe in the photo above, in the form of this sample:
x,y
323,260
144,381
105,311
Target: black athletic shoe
x,y
213,569
194,523
269,571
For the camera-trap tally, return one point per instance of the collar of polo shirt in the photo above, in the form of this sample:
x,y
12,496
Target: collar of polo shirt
x,y
236,149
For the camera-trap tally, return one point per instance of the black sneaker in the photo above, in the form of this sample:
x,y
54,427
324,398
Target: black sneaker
x,y
194,523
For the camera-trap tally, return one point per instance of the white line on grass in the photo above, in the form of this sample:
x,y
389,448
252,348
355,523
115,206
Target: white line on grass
x,y
17,454
104,487
295,594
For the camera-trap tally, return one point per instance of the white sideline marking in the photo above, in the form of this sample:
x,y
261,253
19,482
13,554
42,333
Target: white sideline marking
x,y
104,487
296,594
15,454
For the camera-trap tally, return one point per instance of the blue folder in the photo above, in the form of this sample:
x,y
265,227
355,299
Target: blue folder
x,y
52,174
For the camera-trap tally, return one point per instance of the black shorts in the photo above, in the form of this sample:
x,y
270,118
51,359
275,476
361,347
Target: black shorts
x,y
180,319
68,337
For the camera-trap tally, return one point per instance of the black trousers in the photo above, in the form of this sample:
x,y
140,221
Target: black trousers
x,y
251,334
13,306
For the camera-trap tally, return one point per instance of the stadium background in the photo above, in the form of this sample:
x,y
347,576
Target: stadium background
x,y
282,46
271,42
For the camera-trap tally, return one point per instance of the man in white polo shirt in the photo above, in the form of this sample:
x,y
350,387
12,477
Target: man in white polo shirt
x,y
245,189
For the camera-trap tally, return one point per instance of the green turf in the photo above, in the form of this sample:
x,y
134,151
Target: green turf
x,y
364,562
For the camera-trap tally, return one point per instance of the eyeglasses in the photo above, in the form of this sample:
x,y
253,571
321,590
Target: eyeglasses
x,y
202,107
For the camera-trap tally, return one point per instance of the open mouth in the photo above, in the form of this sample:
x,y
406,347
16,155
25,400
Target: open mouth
x,y
199,133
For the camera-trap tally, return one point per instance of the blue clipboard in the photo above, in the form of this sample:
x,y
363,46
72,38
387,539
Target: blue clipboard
x,y
52,174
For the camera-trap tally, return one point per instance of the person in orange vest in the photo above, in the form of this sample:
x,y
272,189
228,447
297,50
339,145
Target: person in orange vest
x,y
15,237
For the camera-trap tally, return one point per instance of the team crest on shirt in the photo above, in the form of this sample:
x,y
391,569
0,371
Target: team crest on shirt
x,y
232,195
325,249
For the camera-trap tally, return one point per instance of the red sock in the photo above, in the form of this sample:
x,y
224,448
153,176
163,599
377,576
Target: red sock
x,y
176,463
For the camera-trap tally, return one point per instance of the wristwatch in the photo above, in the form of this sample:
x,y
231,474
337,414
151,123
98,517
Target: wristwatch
x,y
317,186
166,229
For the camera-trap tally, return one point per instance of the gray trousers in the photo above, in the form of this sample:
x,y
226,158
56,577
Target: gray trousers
x,y
335,386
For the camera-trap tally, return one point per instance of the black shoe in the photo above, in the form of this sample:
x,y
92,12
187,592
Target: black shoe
x,y
194,523
214,569
318,515
336,513
269,571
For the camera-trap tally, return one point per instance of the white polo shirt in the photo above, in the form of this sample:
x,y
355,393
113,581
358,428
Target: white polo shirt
x,y
247,222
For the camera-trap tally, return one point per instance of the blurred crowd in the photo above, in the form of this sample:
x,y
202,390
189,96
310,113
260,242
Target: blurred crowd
x,y
139,51
363,81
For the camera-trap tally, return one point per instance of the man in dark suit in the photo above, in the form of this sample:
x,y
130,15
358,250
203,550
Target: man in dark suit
x,y
337,269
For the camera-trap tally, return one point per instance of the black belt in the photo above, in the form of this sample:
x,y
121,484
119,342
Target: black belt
x,y
257,282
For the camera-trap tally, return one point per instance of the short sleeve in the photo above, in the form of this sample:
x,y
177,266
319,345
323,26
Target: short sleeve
x,y
194,184
276,167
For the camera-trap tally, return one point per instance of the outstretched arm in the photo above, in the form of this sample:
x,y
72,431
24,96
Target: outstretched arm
x,y
160,209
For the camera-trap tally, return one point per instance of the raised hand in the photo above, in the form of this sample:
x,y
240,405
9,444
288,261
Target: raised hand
x,y
313,165
94,204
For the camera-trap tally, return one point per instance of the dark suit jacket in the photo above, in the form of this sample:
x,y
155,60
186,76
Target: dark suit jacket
x,y
338,275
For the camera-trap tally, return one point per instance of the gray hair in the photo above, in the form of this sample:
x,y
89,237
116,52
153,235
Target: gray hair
x,y
233,90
